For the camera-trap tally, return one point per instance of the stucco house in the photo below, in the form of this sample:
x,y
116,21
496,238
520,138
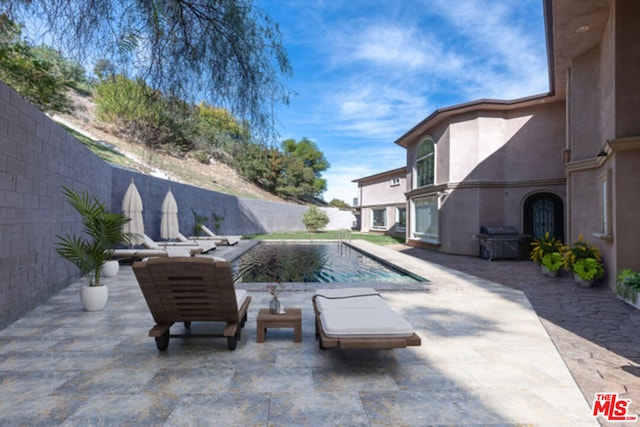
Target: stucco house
x,y
567,161
383,206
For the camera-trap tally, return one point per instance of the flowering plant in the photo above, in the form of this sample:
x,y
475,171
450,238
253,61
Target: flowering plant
x,y
275,289
545,245
580,250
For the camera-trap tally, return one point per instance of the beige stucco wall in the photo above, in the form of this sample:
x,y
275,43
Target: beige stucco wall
x,y
377,192
380,191
607,117
487,163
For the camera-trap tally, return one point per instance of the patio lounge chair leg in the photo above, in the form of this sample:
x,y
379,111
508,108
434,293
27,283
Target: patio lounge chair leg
x,y
232,342
162,342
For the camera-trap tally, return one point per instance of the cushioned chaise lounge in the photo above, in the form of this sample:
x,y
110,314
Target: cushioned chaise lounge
x,y
210,235
194,246
359,318
151,249
186,289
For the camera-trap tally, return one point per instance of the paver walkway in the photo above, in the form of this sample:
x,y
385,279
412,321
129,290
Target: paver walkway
x,y
597,335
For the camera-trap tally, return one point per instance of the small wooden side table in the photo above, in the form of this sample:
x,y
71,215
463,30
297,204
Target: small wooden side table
x,y
291,319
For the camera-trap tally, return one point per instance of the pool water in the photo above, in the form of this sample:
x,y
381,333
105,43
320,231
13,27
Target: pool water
x,y
313,262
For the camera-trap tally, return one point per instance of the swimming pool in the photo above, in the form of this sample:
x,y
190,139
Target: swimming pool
x,y
313,262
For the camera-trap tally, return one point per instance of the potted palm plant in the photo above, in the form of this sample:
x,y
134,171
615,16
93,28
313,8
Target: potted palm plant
x,y
102,232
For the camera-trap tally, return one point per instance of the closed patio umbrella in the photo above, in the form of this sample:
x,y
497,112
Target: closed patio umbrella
x,y
169,228
132,207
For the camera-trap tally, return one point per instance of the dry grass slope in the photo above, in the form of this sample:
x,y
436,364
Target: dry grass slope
x,y
216,176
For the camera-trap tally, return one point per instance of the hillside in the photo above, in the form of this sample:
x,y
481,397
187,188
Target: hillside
x,y
108,144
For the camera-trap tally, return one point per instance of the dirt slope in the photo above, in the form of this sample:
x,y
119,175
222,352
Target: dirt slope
x,y
216,176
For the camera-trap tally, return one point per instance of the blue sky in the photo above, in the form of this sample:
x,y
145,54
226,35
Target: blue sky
x,y
367,71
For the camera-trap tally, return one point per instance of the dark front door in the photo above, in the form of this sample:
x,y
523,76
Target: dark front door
x,y
544,212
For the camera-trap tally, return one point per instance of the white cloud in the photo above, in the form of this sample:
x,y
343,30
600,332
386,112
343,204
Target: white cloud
x,y
504,60
368,73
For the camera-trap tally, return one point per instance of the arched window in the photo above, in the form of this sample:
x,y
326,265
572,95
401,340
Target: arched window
x,y
425,163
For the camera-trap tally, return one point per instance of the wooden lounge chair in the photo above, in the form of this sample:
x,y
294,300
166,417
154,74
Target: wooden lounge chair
x,y
185,289
210,235
359,318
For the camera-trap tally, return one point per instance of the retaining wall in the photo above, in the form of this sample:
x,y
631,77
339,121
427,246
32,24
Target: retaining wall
x,y
38,157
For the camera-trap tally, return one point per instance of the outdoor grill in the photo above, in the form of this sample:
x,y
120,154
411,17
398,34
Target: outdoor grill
x,y
503,243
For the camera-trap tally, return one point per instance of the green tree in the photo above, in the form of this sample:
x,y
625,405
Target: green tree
x,y
29,73
307,151
260,164
303,168
228,51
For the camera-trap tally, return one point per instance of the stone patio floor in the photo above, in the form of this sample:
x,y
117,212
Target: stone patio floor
x,y
504,346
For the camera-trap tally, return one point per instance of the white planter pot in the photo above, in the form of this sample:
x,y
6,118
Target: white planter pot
x,y
548,272
94,298
110,268
582,282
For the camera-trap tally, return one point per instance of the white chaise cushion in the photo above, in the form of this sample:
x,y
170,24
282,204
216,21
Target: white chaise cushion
x,y
365,323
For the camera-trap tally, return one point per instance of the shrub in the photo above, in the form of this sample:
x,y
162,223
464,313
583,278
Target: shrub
x,y
315,219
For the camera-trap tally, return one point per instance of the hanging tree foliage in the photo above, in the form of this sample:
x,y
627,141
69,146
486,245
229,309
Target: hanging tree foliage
x,y
225,51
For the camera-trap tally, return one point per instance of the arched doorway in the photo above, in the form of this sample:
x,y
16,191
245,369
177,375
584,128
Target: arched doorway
x,y
544,212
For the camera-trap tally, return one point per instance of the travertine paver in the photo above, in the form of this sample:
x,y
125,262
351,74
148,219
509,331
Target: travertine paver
x,y
485,359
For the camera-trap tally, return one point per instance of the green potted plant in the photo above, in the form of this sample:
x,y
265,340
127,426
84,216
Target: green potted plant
x,y
551,264
102,232
543,246
586,270
584,261
628,287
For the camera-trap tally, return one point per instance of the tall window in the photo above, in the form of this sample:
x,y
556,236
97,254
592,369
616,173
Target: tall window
x,y
401,219
379,219
425,163
605,204
426,218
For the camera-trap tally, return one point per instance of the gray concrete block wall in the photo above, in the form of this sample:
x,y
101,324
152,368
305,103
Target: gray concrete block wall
x,y
241,216
37,158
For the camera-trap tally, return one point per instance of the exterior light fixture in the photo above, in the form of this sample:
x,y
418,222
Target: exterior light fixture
x,y
582,29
